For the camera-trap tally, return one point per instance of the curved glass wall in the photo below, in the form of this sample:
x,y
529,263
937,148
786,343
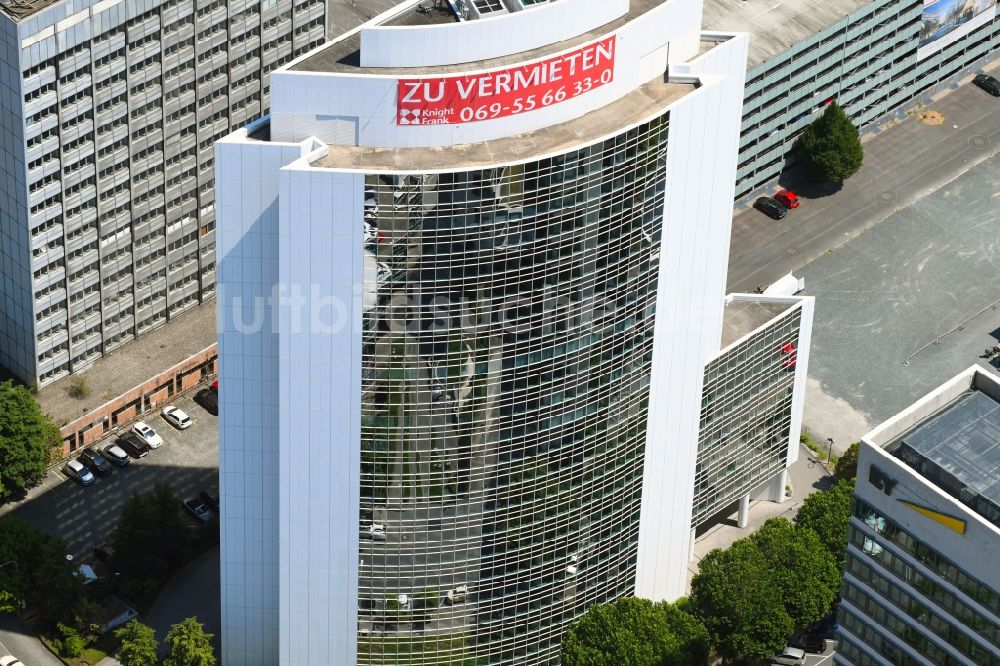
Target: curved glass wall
x,y
508,339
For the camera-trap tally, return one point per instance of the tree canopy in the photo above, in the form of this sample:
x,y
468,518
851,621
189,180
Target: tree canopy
x,y
736,598
807,575
138,645
635,632
153,536
847,465
830,150
828,513
189,645
754,594
27,438
38,572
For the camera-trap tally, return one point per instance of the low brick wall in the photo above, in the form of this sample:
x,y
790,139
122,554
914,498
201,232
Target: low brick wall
x,y
146,397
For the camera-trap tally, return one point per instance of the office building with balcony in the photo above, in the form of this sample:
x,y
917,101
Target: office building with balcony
x,y
921,583
109,113
471,284
872,57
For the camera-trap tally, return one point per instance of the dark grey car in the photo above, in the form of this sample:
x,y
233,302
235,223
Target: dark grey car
x,y
770,207
988,83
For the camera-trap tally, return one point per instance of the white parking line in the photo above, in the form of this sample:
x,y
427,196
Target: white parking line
x,y
823,659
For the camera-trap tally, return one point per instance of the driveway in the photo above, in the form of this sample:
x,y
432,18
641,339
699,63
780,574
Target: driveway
x,y
84,516
194,591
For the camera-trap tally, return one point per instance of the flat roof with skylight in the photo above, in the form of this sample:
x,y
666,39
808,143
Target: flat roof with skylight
x,y
958,450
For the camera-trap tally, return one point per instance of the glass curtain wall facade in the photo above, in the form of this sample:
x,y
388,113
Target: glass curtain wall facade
x,y
505,380
746,416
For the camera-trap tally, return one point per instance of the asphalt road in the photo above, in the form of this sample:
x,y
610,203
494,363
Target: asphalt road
x,y
902,164
188,461
18,640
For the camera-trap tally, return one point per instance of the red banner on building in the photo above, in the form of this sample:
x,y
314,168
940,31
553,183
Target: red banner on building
x,y
505,92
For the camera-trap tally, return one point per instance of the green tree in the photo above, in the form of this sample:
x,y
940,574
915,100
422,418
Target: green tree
x,y
152,536
804,571
39,573
189,645
829,150
72,643
827,513
27,438
138,645
847,464
635,632
737,599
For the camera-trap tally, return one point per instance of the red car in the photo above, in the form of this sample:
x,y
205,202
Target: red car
x,y
787,198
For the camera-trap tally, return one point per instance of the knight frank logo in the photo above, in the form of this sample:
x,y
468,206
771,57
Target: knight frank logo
x,y
409,117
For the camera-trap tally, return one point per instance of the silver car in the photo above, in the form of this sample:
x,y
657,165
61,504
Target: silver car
x,y
77,470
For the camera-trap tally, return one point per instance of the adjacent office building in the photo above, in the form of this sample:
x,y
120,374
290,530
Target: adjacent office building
x,y
109,111
872,57
921,584
472,281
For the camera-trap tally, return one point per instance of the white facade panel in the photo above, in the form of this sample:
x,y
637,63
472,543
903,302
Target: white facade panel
x,y
247,254
469,41
704,137
320,265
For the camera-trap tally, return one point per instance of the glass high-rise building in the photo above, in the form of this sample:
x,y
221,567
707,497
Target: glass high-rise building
x,y
471,272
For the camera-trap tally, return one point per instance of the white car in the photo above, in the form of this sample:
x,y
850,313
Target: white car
x,y
148,434
176,417
10,660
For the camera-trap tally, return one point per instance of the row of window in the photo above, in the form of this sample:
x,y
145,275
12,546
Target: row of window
x,y
905,601
927,586
927,556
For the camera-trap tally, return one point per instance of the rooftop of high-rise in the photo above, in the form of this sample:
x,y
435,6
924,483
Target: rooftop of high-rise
x,y
951,438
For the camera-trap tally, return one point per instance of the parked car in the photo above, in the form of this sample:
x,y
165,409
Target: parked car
x,y
148,434
770,207
176,417
790,656
97,463
115,454
211,499
787,198
10,660
198,509
375,532
133,445
813,643
103,551
78,471
208,399
988,83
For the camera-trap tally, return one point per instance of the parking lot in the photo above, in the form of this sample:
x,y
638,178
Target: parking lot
x,y
904,306
188,460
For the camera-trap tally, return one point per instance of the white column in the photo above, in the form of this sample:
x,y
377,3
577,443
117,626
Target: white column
x,y
741,522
